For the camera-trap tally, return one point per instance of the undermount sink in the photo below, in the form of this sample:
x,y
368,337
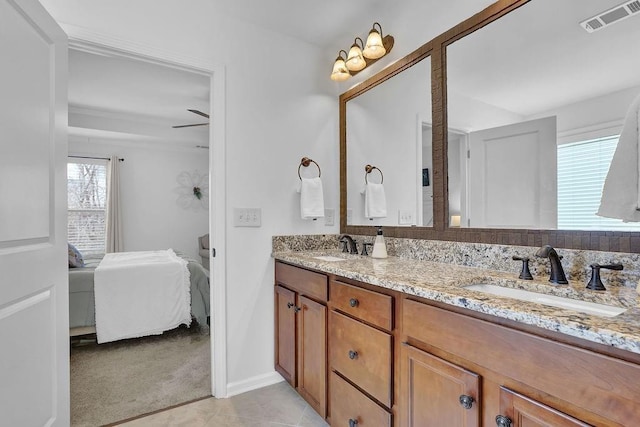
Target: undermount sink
x,y
328,258
592,308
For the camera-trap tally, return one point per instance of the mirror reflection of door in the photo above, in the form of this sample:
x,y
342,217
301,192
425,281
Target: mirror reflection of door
x,y
510,72
458,177
426,189
512,176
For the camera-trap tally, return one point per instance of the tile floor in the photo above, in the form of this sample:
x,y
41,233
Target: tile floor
x,y
276,405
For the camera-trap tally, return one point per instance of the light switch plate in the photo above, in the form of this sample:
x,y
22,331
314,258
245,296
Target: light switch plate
x,y
247,217
329,217
349,216
405,217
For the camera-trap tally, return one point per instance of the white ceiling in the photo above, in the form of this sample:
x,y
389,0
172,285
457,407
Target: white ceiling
x,y
538,58
114,97
326,23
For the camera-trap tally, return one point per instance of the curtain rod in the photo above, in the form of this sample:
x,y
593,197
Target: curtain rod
x,y
95,158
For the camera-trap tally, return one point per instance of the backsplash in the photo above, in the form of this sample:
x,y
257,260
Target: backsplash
x,y
311,242
495,257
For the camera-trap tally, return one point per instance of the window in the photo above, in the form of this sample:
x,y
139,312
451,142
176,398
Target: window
x,y
582,169
87,198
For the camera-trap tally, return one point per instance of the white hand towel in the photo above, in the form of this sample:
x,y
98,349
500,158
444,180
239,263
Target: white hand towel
x,y
311,198
621,192
375,202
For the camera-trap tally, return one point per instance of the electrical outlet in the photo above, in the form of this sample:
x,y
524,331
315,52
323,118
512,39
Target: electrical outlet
x,y
405,217
247,217
329,217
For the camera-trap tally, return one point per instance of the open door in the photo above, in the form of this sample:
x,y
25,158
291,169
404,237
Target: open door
x,y
34,325
513,176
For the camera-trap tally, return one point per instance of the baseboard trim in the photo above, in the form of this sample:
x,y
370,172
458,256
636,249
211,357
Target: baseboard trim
x,y
253,383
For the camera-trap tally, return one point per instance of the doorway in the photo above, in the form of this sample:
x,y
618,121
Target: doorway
x,y
215,106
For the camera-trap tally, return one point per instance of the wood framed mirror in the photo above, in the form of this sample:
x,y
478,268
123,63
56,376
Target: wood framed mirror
x,y
450,55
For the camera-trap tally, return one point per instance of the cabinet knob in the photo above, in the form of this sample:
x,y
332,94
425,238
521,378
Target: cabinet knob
x,y
296,309
289,304
353,302
502,421
353,354
466,401
352,422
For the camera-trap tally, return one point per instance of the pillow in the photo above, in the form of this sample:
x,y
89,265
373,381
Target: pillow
x,y
205,241
75,257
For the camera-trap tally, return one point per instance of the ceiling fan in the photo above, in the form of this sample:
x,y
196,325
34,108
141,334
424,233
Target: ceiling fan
x,y
200,113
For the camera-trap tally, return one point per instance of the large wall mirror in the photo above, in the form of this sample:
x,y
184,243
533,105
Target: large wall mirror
x,y
534,115
526,106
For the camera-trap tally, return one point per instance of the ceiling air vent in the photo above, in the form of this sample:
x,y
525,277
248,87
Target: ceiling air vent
x,y
608,17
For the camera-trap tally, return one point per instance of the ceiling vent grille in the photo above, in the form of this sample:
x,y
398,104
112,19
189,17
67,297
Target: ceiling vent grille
x,y
613,15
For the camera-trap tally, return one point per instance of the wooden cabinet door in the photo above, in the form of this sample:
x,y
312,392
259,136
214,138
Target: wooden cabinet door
x,y
312,354
285,345
517,410
433,391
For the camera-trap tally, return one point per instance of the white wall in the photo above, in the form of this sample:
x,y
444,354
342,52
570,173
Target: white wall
x,y
592,114
273,119
275,114
151,218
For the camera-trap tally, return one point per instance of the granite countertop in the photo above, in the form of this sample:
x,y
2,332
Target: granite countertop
x,y
445,283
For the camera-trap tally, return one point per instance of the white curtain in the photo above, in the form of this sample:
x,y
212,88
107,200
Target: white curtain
x,y
114,218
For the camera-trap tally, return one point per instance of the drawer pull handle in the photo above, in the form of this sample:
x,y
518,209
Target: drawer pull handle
x,y
353,354
289,304
352,422
296,309
502,421
466,401
353,302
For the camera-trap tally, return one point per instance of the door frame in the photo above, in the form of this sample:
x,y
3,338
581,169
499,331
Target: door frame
x,y
97,43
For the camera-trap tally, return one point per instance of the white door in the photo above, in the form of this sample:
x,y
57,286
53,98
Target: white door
x,y
513,176
34,334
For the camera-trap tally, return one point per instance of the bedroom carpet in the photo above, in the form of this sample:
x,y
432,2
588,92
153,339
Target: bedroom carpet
x,y
114,381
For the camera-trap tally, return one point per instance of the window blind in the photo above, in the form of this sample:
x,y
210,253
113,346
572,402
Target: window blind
x,y
86,199
582,169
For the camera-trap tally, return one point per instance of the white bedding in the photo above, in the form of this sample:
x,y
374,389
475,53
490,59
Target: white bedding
x,y
140,293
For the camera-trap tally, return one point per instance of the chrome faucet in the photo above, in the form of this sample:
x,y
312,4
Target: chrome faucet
x,y
353,247
557,273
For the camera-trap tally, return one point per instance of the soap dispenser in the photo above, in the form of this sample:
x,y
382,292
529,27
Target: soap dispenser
x,y
379,246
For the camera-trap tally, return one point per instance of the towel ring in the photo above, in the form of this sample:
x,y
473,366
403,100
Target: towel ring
x,y
368,169
306,162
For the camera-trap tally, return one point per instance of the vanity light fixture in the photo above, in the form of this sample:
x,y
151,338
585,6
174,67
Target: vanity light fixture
x,y
355,60
340,72
374,48
350,64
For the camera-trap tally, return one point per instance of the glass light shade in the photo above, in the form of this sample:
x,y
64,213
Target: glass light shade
x,y
374,48
355,60
340,72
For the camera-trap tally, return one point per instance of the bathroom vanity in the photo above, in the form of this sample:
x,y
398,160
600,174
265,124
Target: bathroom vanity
x,y
402,342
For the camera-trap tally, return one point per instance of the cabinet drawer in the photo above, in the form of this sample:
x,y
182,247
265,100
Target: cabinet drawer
x,y
349,405
304,281
369,306
362,354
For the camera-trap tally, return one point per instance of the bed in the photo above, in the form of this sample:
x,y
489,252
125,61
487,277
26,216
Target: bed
x,y
82,309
